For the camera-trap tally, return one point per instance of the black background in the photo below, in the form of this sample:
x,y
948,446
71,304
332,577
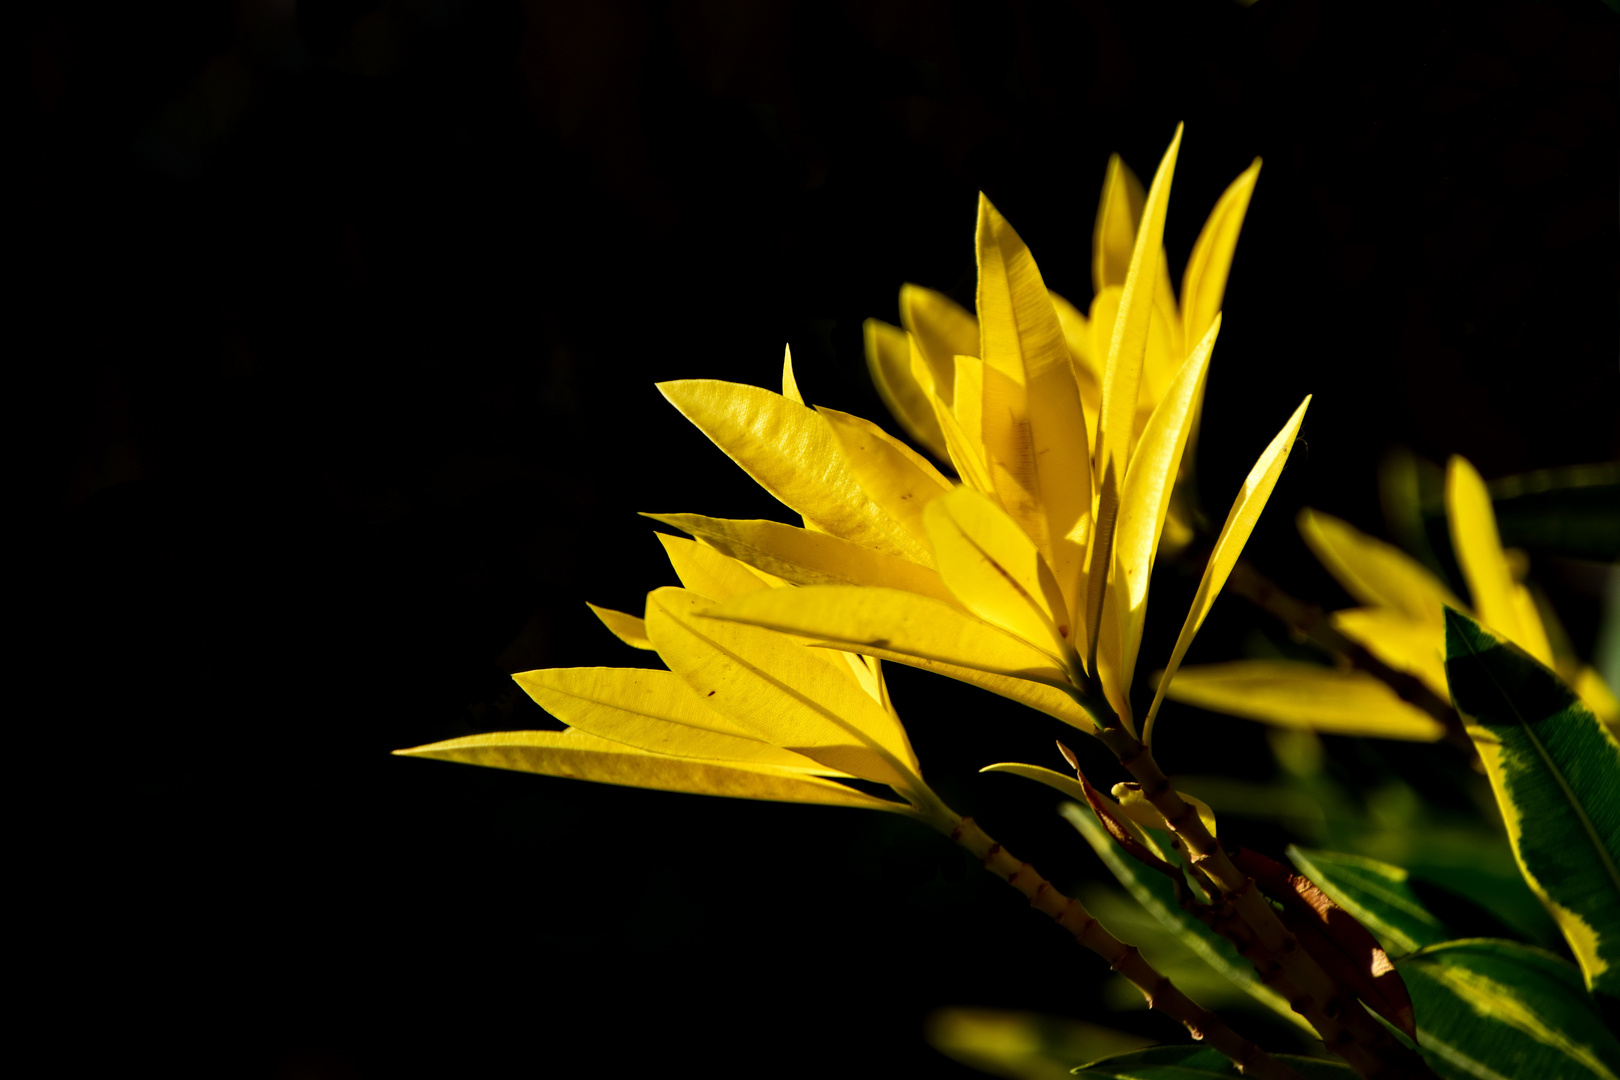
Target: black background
x,y
339,323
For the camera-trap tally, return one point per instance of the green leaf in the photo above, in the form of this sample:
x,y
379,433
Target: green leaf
x,y
1157,894
1555,771
1377,894
1190,1062
1499,1010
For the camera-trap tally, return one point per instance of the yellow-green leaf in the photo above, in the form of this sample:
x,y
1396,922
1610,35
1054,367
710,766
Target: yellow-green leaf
x,y
1375,572
1503,603
1555,770
1203,284
630,629
902,625
654,711
1114,236
792,452
993,569
796,698
1135,805
888,359
1240,522
806,558
1297,695
1084,357
579,756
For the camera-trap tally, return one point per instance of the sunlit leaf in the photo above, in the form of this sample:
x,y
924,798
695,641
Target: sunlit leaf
x,y
1240,522
903,624
806,558
1498,1010
1146,501
1555,771
1113,237
790,385
891,473
630,629
779,691
579,756
993,569
1502,603
1203,284
654,711
943,330
706,571
1293,694
1136,806
1375,572
792,452
888,359
1376,893
1404,643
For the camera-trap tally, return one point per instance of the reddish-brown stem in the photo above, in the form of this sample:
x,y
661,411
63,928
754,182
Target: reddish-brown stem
x,y
1159,991
1346,1028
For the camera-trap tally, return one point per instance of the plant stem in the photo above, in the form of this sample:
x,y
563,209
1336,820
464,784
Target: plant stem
x,y
1159,991
1345,1026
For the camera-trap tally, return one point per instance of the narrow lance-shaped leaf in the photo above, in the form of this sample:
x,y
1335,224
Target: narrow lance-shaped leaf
x,y
706,571
1121,378
790,385
579,756
630,629
1502,602
779,691
792,453
1555,770
891,473
888,359
1290,693
1240,522
804,557
1375,572
994,570
943,330
1146,501
1199,1063
1203,283
1498,1010
655,711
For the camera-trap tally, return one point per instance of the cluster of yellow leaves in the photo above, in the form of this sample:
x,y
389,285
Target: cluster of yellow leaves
x,y
1067,432
739,712
1402,624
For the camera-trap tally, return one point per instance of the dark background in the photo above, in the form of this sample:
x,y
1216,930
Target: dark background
x,y
338,333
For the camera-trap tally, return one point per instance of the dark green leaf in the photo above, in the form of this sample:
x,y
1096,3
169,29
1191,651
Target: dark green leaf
x,y
1498,1009
1376,893
1190,1062
1555,771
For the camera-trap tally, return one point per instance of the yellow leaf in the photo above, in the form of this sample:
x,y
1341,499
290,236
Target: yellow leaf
x,y
894,475
1121,380
963,431
1114,236
790,385
888,358
1084,357
577,755
1590,687
1203,284
1297,695
1404,643
628,628
1503,604
1377,573
706,571
1134,805
1240,522
995,571
805,558
793,697
1146,501
654,711
1032,421
943,329
894,625
792,453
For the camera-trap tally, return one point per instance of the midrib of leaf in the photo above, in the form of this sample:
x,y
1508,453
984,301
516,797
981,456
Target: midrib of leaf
x,y
1552,767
